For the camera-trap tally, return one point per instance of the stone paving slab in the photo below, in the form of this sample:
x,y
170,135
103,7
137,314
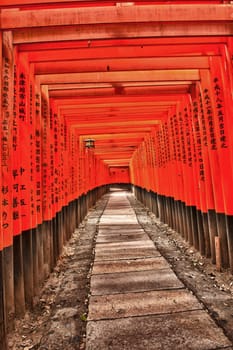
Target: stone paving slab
x,y
116,220
126,254
125,214
126,227
119,237
193,330
146,243
123,231
141,304
135,281
112,266
120,211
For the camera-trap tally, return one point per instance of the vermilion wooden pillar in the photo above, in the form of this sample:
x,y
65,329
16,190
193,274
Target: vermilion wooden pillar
x,y
216,221
3,309
226,75
199,171
6,166
222,102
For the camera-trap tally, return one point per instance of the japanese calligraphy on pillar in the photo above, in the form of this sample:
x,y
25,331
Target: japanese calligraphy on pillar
x,y
188,137
6,135
6,201
15,129
203,122
56,137
204,141
197,131
219,105
45,119
22,171
210,119
182,138
16,214
32,129
38,170
177,138
166,142
160,152
173,139
62,161
66,163
52,162
72,168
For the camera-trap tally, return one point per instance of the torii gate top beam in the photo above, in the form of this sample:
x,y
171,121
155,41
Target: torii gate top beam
x,y
13,19
67,3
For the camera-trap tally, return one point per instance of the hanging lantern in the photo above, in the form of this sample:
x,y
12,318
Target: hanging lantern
x,y
89,143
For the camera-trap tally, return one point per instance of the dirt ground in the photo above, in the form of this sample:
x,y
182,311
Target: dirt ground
x,y
58,320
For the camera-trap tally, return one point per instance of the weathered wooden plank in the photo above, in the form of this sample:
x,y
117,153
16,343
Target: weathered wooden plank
x,y
78,2
121,76
117,64
115,14
110,92
122,30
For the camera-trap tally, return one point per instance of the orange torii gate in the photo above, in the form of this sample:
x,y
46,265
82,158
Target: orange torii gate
x,y
151,83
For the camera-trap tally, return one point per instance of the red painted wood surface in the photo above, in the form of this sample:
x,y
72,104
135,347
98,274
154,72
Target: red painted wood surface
x,y
149,81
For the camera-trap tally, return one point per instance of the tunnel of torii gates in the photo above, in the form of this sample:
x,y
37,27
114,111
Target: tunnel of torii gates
x,y
150,84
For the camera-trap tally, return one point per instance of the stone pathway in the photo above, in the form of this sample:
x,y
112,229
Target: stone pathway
x,y
137,302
